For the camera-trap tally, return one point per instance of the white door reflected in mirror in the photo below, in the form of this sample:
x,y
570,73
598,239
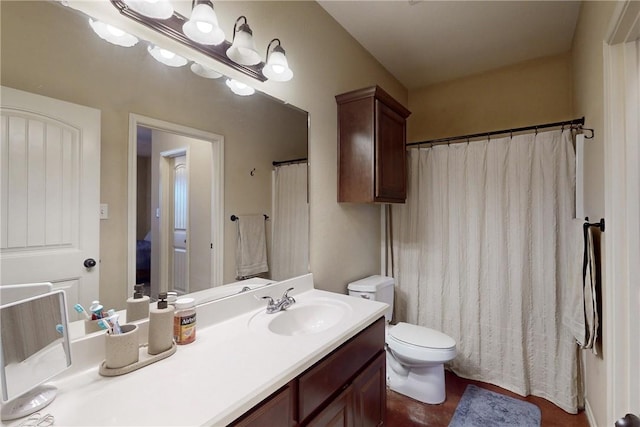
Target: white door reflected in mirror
x,y
176,222
51,170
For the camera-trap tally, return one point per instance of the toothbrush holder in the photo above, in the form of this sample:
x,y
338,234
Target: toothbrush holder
x,y
122,349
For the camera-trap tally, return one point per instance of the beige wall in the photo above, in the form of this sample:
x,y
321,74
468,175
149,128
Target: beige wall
x,y
528,93
344,239
588,100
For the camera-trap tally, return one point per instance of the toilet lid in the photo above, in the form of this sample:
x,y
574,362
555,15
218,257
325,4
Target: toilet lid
x,y
421,336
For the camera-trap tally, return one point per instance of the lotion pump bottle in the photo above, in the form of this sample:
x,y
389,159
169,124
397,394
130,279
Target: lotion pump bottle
x,y
138,305
160,326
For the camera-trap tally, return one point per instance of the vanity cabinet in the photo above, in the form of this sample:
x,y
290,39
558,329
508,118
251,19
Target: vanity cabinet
x,y
277,410
371,147
346,388
362,403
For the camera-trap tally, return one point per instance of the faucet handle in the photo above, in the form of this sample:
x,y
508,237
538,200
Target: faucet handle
x,y
285,296
265,297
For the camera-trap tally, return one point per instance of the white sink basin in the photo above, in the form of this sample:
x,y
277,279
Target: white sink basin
x,y
302,318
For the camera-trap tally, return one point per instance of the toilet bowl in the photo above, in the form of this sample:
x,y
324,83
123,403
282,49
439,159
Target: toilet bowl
x,y
415,361
415,355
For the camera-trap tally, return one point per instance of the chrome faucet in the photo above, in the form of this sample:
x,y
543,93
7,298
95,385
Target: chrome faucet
x,y
280,304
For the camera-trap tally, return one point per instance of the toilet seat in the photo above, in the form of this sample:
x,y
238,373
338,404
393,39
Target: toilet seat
x,y
421,336
415,345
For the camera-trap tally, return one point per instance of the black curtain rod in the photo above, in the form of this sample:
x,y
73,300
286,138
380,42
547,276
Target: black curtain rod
x,y
235,218
289,162
575,122
600,224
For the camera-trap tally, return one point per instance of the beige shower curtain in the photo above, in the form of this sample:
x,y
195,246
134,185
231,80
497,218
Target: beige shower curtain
x,y
483,253
290,247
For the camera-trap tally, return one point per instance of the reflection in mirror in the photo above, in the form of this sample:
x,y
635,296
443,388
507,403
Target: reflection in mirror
x,y
34,347
178,207
51,50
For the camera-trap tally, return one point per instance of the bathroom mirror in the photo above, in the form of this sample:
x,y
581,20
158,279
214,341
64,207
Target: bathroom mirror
x,y
34,347
51,50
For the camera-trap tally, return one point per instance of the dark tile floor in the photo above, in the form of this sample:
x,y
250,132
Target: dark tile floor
x,y
403,411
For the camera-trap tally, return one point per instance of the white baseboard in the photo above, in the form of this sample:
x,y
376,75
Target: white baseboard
x,y
589,413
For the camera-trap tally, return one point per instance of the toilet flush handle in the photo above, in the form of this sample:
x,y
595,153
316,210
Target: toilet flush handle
x,y
365,296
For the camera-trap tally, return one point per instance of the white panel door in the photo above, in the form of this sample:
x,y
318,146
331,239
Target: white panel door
x,y
50,194
180,253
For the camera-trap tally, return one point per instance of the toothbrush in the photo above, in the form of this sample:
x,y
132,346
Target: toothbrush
x,y
104,325
80,309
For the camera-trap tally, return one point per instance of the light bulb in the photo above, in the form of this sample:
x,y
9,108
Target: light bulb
x,y
167,54
240,88
115,31
279,69
112,34
205,27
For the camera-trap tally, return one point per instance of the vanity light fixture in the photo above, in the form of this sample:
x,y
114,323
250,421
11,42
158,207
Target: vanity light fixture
x,y
203,26
277,67
243,49
205,72
240,88
112,34
166,56
156,9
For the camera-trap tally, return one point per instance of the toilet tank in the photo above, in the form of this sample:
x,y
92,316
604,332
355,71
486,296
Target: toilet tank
x,y
377,288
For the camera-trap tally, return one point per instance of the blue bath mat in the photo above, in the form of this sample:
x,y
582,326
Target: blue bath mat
x,y
479,408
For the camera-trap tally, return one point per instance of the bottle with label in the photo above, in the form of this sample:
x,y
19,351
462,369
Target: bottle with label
x,y
184,321
138,305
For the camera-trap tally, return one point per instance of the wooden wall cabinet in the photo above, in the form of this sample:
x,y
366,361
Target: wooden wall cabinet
x,y
346,388
371,147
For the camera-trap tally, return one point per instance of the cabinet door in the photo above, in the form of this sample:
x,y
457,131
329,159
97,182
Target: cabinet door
x,y
276,410
390,157
370,394
339,413
356,154
329,375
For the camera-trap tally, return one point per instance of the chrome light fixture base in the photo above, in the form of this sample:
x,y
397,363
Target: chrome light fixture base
x,y
172,28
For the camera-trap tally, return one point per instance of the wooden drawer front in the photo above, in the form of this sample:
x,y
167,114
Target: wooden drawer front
x,y
339,413
331,374
276,410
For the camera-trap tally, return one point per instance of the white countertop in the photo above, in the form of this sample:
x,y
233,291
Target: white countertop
x,y
212,381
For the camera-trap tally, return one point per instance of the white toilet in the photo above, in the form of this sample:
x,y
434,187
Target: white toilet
x,y
415,355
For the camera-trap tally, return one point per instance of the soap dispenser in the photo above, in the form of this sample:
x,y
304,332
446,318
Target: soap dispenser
x,y
160,326
137,305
